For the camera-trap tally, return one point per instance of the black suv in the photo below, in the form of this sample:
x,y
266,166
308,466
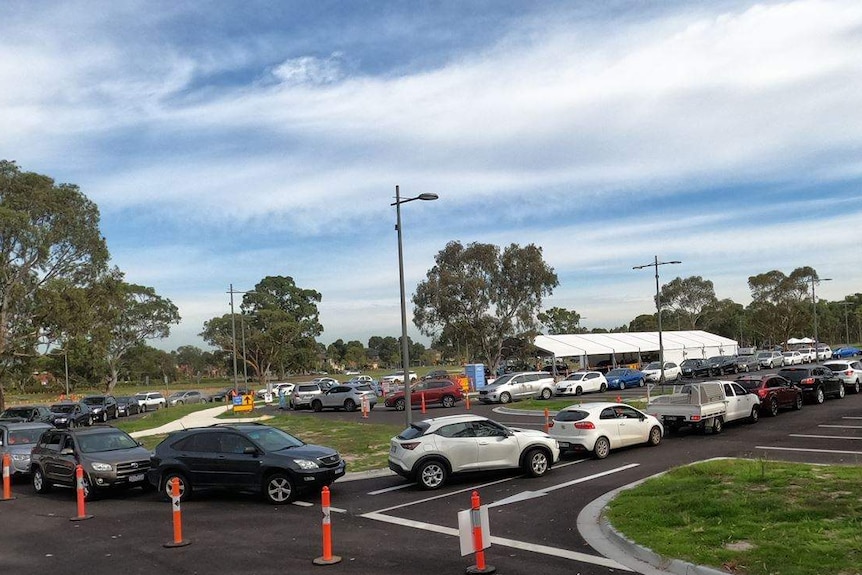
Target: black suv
x,y
694,367
816,382
110,458
722,364
26,413
244,457
104,407
71,414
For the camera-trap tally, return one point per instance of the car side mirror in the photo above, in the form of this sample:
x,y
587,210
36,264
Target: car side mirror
x,y
67,451
250,451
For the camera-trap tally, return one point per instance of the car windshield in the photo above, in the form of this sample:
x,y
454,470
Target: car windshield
x,y
273,439
108,441
571,415
576,377
25,436
654,365
616,372
16,412
140,396
764,355
63,408
123,399
93,400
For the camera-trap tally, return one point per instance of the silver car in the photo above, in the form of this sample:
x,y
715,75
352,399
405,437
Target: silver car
x,y
17,439
346,397
303,393
850,373
512,386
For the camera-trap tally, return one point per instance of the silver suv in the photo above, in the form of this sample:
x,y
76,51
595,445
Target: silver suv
x,y
849,371
524,385
303,394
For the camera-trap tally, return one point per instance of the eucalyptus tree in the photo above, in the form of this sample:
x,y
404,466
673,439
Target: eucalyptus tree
x,y
688,299
780,304
477,296
558,320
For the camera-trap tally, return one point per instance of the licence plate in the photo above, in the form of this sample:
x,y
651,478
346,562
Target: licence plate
x,y
135,478
563,443
393,449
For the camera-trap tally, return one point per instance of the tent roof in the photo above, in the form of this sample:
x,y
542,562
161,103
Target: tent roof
x,y
794,340
567,345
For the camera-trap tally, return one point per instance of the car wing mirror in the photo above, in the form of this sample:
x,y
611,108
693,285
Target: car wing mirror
x,y
250,450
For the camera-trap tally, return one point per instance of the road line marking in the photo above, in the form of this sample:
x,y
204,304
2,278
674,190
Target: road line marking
x,y
542,549
337,510
837,451
822,436
591,477
394,488
851,417
443,495
842,426
303,504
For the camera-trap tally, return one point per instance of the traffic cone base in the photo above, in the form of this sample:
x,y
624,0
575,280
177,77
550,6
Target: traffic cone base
x,y
331,561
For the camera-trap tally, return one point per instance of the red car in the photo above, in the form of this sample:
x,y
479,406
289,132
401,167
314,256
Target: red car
x,y
774,391
442,391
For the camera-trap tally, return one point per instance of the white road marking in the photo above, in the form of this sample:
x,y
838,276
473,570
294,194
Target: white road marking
x,y
822,436
851,417
524,495
337,510
842,426
808,450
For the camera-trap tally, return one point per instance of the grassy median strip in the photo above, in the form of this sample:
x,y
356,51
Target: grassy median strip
x,y
153,419
752,517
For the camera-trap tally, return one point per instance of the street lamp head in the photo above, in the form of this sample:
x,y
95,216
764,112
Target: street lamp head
x,y
428,196
675,262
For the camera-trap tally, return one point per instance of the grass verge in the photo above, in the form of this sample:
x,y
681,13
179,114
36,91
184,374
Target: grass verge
x,y
153,419
752,517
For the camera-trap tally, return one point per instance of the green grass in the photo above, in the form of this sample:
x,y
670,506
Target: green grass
x,y
753,517
153,419
554,405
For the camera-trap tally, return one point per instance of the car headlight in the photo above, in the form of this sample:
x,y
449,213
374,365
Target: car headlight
x,y
101,466
61,420
307,464
20,457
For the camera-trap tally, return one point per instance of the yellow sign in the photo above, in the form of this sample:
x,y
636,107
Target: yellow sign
x,y
247,404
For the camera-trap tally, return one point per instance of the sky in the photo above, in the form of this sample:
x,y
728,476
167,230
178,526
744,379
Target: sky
x,y
227,141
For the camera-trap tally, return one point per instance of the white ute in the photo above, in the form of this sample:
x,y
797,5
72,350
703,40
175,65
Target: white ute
x,y
705,405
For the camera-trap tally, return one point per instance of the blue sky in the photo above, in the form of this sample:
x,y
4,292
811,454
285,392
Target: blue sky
x,y
228,141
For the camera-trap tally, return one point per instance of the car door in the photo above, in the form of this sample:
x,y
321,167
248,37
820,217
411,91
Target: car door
x,y
591,382
334,396
609,426
737,403
199,454
633,427
783,389
497,448
63,461
460,445
746,400
238,461
831,382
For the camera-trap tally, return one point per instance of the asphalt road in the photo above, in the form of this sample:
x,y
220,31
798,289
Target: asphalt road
x,y
383,525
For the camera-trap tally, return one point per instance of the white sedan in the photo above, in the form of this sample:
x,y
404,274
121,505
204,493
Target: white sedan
x,y
792,358
672,372
581,382
601,427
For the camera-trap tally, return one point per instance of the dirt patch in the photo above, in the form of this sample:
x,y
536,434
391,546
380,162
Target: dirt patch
x,y
739,546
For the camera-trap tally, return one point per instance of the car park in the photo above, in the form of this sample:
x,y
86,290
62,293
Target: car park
x,y
817,382
514,386
770,359
127,405
432,450
775,392
243,457
24,413
110,458
581,382
652,372
183,397
598,428
845,352
792,358
303,393
104,407
151,400
17,439
694,368
624,377
850,373
346,397
442,391
71,414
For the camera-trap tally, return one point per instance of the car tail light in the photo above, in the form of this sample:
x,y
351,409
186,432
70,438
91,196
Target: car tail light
x,y
410,446
695,418
551,424
585,425
807,380
761,393
848,372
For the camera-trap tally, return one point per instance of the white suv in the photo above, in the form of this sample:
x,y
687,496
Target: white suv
x,y
151,400
522,385
429,451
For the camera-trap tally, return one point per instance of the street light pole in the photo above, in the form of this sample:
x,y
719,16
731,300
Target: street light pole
x,y
846,305
405,357
656,264
815,280
233,341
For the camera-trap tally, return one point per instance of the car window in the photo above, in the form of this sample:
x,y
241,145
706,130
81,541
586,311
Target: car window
x,y
738,389
203,443
571,415
728,390
608,413
460,429
487,429
233,443
68,443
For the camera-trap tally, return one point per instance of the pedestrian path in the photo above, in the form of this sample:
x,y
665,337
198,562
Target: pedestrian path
x,y
200,418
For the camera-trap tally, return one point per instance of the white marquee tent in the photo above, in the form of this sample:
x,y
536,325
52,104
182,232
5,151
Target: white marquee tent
x,y
591,348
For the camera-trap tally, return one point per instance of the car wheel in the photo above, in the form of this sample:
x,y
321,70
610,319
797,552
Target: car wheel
x,y
400,404
104,417
579,390
431,474
536,462
349,405
640,382
856,386
798,405
40,482
602,448
841,391
90,421
622,385
819,396
180,402
165,486
279,489
654,436
546,393
505,397
755,415
717,425
317,406
448,401
603,388
72,424
773,407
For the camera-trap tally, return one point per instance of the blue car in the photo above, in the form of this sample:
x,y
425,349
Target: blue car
x,y
623,377
847,351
